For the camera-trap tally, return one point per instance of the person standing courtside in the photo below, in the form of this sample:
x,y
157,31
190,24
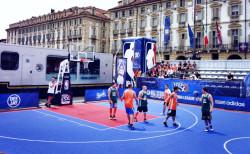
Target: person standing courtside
x,y
207,108
172,106
113,95
128,97
51,91
167,92
143,103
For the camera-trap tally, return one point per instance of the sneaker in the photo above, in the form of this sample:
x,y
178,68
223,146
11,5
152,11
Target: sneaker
x,y
206,130
163,114
211,128
132,127
165,124
110,118
175,124
114,118
145,120
135,120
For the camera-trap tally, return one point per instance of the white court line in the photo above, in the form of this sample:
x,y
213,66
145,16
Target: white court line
x,y
233,139
71,121
108,141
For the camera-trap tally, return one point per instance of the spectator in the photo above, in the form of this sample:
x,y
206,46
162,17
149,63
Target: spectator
x,y
197,75
230,76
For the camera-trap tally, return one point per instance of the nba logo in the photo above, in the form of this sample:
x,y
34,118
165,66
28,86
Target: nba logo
x,y
151,55
66,85
129,54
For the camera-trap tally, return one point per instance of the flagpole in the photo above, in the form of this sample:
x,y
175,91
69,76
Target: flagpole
x,y
245,28
194,38
206,21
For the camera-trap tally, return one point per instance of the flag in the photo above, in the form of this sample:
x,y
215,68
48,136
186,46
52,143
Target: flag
x,y
219,36
191,36
167,30
205,39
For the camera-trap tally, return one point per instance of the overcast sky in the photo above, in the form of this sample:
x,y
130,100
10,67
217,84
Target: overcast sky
x,y
12,11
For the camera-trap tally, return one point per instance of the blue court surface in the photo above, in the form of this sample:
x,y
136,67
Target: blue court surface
x,y
43,131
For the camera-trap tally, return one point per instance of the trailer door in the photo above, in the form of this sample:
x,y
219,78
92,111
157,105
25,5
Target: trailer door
x,y
27,69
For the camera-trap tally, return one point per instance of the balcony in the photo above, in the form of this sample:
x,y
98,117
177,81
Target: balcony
x,y
115,32
130,31
123,31
154,28
93,37
233,47
182,49
142,29
74,37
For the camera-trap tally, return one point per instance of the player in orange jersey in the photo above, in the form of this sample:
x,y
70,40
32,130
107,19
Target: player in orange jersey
x,y
172,100
129,96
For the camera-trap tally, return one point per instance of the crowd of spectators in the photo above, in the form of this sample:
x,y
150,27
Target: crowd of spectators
x,y
183,70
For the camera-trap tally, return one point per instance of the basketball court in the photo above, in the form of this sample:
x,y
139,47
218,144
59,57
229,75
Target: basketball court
x,y
85,128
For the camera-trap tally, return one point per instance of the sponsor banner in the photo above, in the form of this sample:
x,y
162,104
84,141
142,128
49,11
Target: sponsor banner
x,y
190,92
229,103
247,86
96,94
19,100
217,88
121,64
102,94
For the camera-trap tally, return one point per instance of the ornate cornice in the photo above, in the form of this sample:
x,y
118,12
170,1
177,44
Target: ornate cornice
x,y
234,26
215,4
168,12
232,2
182,10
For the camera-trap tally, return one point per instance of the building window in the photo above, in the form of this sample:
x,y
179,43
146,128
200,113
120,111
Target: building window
x,y
182,18
168,4
80,31
116,26
123,26
198,1
131,12
154,21
198,40
80,21
182,3
199,16
75,22
9,60
235,37
214,39
142,23
115,45
93,30
235,10
123,13
182,41
154,8
116,15
130,24
142,10
215,13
